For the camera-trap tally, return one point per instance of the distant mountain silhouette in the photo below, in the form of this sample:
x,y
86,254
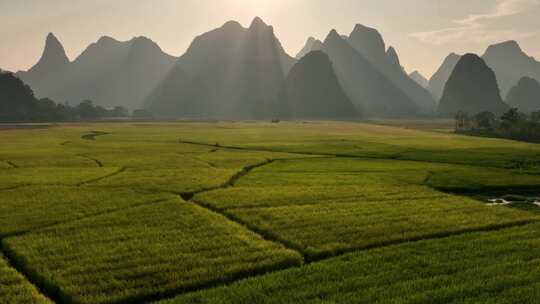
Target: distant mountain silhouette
x,y
471,88
370,43
312,91
109,72
53,60
525,95
439,79
420,79
510,64
312,44
367,87
229,72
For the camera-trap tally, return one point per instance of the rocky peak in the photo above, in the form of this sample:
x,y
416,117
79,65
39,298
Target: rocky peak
x,y
333,37
258,24
54,55
368,41
507,48
393,57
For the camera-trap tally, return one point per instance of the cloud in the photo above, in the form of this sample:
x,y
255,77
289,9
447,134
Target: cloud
x,y
475,28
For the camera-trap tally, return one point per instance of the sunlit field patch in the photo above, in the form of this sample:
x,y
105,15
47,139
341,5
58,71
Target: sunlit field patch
x,y
53,176
15,289
490,267
38,206
145,252
331,205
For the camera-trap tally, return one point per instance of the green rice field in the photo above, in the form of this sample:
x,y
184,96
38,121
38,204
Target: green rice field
x,y
255,212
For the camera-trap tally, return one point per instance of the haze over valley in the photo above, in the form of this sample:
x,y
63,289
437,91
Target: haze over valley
x,y
269,151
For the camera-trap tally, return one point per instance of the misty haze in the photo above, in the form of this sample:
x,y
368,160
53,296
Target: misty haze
x,y
269,151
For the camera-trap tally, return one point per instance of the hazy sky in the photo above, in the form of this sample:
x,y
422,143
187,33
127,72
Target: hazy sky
x,y
423,31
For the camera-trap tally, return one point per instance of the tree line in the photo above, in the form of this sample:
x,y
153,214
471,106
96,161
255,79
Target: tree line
x,y
512,125
18,104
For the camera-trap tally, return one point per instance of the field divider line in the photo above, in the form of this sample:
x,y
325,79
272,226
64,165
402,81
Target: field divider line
x,y
57,223
189,197
43,285
17,264
12,263
396,156
119,171
95,160
310,260
266,235
91,135
10,163
317,257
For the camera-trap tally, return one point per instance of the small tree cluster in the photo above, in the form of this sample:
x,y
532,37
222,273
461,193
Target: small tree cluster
x,y
18,104
512,124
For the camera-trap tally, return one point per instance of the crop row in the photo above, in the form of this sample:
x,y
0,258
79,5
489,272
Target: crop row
x,y
489,267
328,206
15,289
29,208
143,253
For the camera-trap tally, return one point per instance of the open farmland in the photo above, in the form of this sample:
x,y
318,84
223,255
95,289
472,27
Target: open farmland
x,y
256,212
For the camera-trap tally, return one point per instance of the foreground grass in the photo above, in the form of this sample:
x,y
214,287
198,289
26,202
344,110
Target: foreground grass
x,y
23,210
491,267
15,289
143,253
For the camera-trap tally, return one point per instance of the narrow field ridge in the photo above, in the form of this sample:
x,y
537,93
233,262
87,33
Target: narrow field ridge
x,y
11,164
119,171
11,260
93,134
97,161
396,156
23,232
322,258
188,196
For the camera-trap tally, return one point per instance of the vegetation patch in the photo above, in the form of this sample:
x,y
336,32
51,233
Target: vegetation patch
x,y
23,210
498,266
16,289
144,253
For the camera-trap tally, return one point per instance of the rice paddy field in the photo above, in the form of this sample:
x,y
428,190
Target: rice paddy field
x,y
254,212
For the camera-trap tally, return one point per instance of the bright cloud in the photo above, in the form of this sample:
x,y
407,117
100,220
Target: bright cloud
x,y
475,28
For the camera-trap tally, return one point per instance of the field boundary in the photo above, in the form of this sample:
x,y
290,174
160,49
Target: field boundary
x,y
93,134
10,164
76,219
321,259
396,156
11,260
95,160
43,285
91,181
190,198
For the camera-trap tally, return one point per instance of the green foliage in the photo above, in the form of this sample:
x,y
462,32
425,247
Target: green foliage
x,y
18,104
512,125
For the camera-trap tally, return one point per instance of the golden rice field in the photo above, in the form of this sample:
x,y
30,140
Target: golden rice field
x,y
254,212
